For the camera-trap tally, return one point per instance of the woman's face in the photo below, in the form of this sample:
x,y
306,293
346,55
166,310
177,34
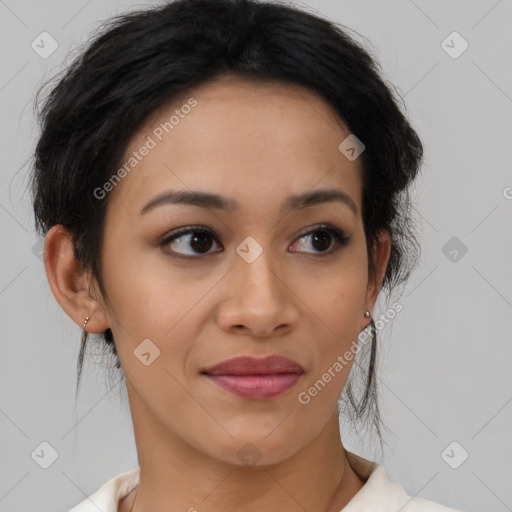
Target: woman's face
x,y
265,278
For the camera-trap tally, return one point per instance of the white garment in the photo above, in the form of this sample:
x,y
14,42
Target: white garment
x,y
379,494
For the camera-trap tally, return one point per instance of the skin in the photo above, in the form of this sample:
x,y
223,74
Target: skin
x,y
257,144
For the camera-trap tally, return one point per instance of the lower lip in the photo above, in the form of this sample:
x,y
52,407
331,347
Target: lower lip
x,y
257,387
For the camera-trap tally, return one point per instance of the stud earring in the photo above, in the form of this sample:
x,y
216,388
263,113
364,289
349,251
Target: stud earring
x,y
366,313
85,323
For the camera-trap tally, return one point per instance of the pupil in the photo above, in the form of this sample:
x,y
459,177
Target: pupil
x,y
200,241
322,238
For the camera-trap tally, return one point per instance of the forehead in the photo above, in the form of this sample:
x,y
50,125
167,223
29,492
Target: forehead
x,y
252,141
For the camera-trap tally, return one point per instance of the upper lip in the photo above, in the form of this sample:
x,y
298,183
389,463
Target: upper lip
x,y
255,366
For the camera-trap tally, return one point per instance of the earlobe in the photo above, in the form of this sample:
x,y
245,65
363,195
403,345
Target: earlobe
x,y
69,283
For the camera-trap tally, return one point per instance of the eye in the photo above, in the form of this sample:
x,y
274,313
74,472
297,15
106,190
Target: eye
x,y
201,239
196,238
324,239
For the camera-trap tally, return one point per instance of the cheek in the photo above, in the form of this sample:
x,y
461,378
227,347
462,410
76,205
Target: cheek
x,y
339,298
338,306
145,298
156,303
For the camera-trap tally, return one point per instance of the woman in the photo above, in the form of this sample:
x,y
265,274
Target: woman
x,y
223,189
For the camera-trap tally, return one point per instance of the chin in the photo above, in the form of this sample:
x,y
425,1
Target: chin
x,y
253,450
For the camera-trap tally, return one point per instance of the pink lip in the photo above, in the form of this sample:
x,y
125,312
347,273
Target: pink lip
x,y
256,378
255,366
257,387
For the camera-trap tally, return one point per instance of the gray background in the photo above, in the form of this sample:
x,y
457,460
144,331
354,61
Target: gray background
x,y
445,362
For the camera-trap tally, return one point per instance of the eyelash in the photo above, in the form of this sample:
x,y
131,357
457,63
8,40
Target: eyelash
x,y
338,236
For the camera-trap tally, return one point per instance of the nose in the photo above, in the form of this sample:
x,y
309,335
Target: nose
x,y
259,303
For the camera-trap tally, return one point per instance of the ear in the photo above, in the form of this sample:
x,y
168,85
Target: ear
x,y
381,252
71,286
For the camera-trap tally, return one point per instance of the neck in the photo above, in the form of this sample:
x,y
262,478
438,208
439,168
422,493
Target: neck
x,y
176,476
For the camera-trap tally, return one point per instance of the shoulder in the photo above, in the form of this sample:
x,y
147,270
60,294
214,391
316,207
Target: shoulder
x,y
380,494
108,496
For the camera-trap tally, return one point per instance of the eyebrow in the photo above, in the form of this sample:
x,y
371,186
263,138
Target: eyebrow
x,y
218,202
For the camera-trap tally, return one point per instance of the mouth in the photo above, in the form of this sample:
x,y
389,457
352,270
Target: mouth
x,y
256,378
